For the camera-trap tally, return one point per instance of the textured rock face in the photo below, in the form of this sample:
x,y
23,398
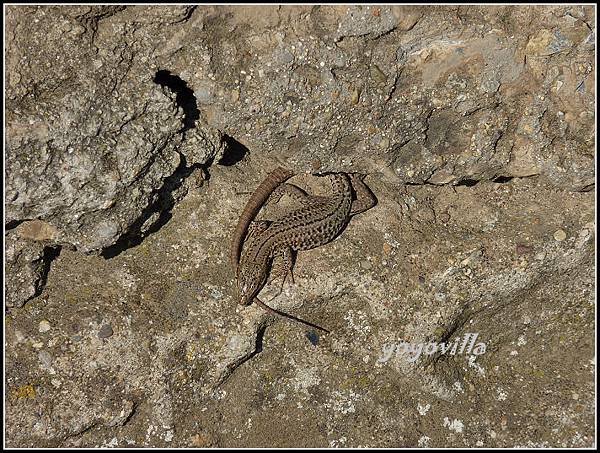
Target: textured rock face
x,y
475,126
27,265
91,138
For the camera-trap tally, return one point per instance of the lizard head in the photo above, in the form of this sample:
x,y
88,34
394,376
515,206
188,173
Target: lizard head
x,y
250,282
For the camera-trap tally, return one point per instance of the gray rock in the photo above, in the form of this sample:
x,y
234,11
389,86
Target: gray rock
x,y
45,359
27,266
105,331
141,129
367,20
89,149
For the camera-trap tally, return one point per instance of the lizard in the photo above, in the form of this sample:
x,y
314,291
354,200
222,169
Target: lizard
x,y
253,206
320,220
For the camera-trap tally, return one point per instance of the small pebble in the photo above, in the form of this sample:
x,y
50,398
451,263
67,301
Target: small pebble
x,y
378,75
560,235
355,96
45,358
366,265
523,249
44,326
19,336
105,331
315,164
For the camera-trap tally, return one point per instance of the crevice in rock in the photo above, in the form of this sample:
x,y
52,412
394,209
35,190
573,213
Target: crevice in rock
x,y
231,367
382,34
89,20
234,152
84,429
394,87
470,182
188,13
130,415
185,97
467,182
503,179
11,225
427,125
587,188
426,182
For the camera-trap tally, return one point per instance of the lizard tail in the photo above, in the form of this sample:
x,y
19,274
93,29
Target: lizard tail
x,y
288,316
258,198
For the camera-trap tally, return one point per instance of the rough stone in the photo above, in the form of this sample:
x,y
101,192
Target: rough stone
x,y
134,134
27,265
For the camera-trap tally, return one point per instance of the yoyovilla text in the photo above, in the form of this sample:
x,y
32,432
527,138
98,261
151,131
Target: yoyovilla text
x,y
412,351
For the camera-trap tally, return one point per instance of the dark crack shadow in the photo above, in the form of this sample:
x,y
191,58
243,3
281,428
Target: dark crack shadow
x,y
184,96
234,152
161,209
51,252
503,179
258,347
468,182
12,224
158,213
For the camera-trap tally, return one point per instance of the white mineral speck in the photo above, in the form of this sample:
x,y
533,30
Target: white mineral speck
x,y
454,425
44,326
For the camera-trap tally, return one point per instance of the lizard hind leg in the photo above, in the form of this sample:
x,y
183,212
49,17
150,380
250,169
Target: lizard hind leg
x,y
365,199
294,192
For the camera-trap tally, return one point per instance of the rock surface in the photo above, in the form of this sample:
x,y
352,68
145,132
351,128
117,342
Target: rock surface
x,y
133,133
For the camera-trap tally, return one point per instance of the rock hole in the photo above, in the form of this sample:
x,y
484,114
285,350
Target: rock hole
x,y
184,96
467,182
312,337
234,152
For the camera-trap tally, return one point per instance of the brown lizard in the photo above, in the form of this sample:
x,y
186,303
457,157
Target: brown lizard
x,y
318,222
253,206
